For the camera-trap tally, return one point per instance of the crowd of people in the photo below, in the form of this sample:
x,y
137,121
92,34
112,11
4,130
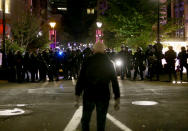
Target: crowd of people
x,y
40,65
151,59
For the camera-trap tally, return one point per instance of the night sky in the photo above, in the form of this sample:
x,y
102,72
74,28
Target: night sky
x,y
76,20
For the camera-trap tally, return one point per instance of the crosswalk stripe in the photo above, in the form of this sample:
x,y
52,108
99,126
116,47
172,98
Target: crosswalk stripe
x,y
74,122
118,123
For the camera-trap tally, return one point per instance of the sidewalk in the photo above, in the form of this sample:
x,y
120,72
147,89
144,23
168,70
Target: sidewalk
x,y
3,81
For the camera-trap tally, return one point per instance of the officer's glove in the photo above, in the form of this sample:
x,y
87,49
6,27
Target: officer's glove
x,y
116,104
77,101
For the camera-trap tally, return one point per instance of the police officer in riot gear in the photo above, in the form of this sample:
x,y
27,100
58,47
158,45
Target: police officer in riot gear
x,y
182,56
139,59
26,65
19,64
170,57
122,56
34,67
42,67
151,61
51,66
159,56
130,60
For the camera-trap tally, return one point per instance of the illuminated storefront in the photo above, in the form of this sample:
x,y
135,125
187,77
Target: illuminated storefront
x,y
179,11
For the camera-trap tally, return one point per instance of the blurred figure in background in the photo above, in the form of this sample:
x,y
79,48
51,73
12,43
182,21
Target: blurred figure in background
x,y
170,57
182,56
139,63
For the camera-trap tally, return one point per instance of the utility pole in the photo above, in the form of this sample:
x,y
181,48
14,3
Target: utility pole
x,y
4,35
186,19
158,22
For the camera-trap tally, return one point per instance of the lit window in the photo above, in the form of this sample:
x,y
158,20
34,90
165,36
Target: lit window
x,y
62,9
92,11
88,11
7,6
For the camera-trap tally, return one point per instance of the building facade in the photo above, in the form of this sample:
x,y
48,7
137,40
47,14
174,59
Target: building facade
x,y
179,10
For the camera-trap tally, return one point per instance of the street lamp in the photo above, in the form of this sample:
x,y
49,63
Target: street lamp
x,y
53,34
52,24
99,24
99,33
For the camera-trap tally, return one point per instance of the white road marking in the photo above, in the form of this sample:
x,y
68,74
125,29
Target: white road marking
x,y
118,123
74,122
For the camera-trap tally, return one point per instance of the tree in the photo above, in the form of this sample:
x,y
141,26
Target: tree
x,y
41,40
127,21
25,27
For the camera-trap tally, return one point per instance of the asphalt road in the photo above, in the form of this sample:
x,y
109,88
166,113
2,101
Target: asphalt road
x,y
49,106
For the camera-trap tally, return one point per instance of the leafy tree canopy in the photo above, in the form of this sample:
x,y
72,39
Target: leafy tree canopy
x,y
129,19
25,28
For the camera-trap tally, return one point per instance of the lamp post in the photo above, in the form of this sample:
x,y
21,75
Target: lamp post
x,y
99,33
53,33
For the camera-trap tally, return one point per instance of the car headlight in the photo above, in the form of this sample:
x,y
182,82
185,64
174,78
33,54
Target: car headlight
x,y
118,62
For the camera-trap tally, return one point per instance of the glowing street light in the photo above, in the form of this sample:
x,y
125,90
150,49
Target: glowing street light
x,y
99,33
99,24
53,34
52,24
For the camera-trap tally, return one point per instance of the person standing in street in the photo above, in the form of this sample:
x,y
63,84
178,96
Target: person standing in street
x,y
123,56
182,56
159,56
170,57
139,60
95,76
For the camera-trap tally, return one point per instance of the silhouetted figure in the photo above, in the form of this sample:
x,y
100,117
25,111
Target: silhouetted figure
x,y
159,55
96,74
170,57
51,66
19,64
151,61
139,59
123,56
26,66
182,56
42,67
34,67
11,66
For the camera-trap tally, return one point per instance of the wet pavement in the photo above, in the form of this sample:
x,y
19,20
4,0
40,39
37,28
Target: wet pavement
x,y
49,106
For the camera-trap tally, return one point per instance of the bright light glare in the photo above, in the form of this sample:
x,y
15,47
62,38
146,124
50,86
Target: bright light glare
x,y
118,62
144,103
40,33
11,112
63,9
176,47
60,53
99,24
52,24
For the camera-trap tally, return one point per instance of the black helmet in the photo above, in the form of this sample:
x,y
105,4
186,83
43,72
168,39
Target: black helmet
x,y
122,46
